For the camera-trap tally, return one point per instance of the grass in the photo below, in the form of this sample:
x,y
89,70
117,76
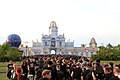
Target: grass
x,y
3,66
3,77
3,69
114,62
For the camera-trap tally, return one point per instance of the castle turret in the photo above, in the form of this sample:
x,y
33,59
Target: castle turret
x,y
93,44
53,29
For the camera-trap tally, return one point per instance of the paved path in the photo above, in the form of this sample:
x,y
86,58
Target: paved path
x,y
2,73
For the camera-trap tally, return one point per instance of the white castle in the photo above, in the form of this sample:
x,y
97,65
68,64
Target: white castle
x,y
55,44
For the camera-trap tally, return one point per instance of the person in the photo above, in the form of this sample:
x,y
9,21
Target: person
x,y
59,73
18,74
24,68
98,70
38,72
13,71
46,75
77,72
87,74
31,67
10,65
108,75
116,72
53,71
10,68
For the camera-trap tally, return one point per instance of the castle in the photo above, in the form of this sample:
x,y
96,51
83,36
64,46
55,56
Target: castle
x,y
55,44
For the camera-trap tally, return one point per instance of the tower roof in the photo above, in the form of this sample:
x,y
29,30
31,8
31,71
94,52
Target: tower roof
x,y
93,41
53,24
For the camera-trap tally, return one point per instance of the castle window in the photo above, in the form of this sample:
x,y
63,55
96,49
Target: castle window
x,y
45,43
60,44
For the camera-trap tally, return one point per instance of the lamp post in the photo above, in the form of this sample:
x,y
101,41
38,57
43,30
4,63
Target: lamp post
x,y
86,53
98,52
26,46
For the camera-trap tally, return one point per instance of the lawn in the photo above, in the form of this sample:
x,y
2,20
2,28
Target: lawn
x,y
3,77
3,66
114,62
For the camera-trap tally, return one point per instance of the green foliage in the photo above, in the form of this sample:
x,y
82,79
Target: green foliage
x,y
108,53
8,52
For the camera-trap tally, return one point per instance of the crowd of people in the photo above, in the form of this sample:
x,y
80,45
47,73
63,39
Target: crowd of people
x,y
62,67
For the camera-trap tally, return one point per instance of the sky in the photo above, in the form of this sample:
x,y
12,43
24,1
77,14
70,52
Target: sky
x,y
79,20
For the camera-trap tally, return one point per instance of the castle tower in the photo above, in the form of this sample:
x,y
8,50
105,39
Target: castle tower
x,y
93,44
53,29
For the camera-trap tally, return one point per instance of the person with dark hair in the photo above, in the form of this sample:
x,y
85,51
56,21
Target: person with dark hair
x,y
108,75
63,67
24,68
10,68
59,73
53,70
10,65
31,67
110,64
77,72
98,71
38,72
97,60
87,74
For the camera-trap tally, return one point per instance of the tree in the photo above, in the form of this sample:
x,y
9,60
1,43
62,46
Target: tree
x,y
108,53
8,52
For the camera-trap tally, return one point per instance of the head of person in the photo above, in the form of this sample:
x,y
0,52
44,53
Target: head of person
x,y
78,64
97,60
106,70
49,63
18,72
116,71
11,62
46,74
14,66
87,66
58,67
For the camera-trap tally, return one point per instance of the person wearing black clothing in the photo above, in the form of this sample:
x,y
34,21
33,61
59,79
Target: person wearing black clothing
x,y
38,72
31,66
63,67
87,74
53,71
46,75
24,68
108,75
98,71
59,73
10,68
77,72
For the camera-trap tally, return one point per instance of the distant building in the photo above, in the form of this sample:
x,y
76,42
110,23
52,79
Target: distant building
x,y
55,44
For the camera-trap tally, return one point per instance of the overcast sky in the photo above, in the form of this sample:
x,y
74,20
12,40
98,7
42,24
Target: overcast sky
x,y
79,20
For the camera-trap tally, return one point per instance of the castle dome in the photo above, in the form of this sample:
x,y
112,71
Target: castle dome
x,y
53,24
93,41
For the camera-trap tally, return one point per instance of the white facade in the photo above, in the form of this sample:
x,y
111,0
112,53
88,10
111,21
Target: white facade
x,y
53,41
56,43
